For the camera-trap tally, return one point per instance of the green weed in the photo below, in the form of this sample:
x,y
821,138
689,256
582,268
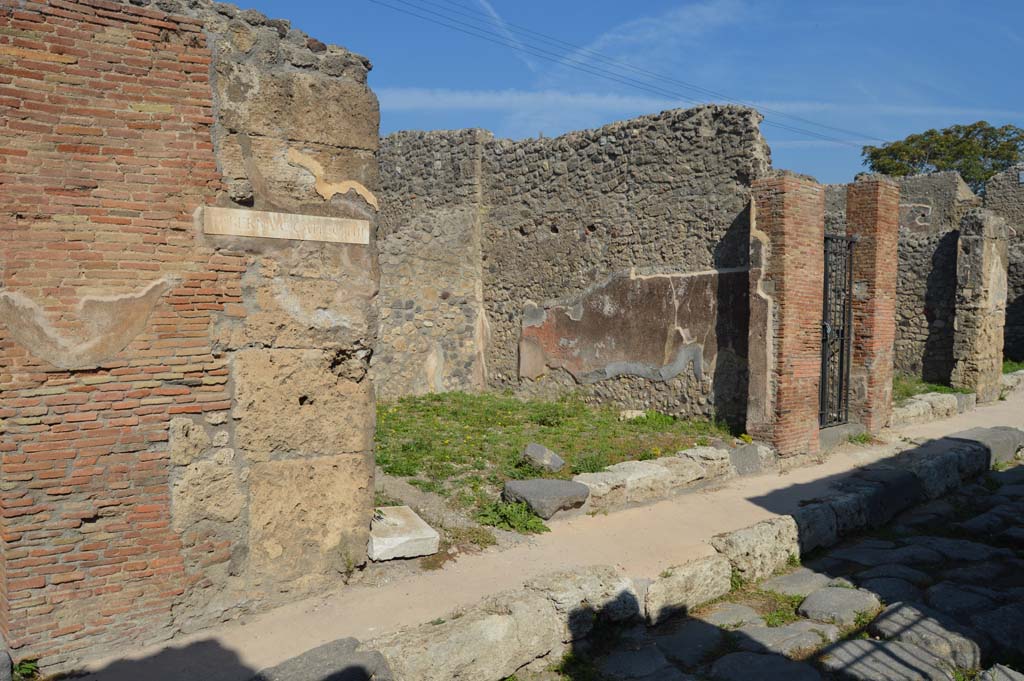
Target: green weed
x,y
514,516
466,446
26,670
861,439
1010,366
905,387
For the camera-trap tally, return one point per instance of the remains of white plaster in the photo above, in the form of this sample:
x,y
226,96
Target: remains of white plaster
x,y
110,324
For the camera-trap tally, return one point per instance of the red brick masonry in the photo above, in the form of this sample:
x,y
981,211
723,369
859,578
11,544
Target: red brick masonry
x,y
105,151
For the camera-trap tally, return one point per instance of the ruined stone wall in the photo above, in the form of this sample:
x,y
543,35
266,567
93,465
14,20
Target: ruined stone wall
x,y
187,418
1004,195
433,327
562,219
981,304
931,207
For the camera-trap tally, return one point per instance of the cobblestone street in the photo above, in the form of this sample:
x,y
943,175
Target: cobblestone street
x,y
938,594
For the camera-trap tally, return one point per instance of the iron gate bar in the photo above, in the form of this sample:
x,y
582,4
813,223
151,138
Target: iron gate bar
x,y
836,331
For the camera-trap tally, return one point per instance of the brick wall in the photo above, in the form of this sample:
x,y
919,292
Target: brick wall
x,y
105,115
872,215
788,235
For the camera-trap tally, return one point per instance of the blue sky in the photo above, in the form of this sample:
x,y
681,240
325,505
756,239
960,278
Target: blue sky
x,y
876,69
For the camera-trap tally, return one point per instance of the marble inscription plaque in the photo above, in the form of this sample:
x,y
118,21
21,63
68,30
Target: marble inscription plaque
x,y
264,225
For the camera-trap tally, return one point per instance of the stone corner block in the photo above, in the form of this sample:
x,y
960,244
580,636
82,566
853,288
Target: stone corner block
x,y
309,517
760,549
680,589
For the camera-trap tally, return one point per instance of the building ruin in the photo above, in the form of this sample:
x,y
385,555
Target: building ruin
x,y
195,319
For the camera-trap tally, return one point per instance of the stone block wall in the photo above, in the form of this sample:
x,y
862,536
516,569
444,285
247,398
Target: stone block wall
x,y
931,207
982,252
1004,195
662,195
187,418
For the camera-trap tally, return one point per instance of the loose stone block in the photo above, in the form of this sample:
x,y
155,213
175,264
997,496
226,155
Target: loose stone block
x,y
542,457
547,497
397,532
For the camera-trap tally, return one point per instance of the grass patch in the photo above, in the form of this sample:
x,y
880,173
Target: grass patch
x,y
1010,366
385,499
861,439
26,670
464,447
480,537
905,387
514,516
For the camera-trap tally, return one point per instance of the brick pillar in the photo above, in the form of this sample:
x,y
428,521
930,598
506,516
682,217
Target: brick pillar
x,y
873,216
787,267
982,256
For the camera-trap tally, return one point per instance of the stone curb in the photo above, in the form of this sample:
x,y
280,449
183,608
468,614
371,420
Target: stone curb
x,y
931,407
538,623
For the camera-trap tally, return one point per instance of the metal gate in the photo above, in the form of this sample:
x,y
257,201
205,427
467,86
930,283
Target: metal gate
x,y
836,331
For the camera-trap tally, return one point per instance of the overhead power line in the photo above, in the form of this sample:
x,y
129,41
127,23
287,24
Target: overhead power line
x,y
481,17
448,21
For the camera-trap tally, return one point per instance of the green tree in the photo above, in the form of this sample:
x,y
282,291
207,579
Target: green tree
x,y
977,151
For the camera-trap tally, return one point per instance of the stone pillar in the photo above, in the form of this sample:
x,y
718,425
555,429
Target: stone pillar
x,y
872,216
784,357
982,255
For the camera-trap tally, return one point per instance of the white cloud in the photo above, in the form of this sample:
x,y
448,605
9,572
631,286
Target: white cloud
x,y
440,99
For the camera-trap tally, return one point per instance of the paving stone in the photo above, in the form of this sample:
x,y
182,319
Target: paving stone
x,y
837,605
547,497
896,571
984,523
1005,626
543,458
891,590
339,659
960,549
800,582
1012,491
1001,673
1013,536
907,555
693,642
638,663
788,639
956,600
932,631
731,616
975,573
397,532
868,660
748,666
